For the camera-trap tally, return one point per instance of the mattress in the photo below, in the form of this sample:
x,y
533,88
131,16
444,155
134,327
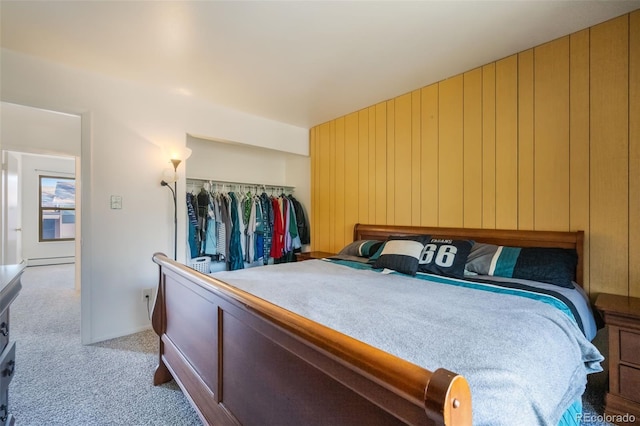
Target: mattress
x,y
525,355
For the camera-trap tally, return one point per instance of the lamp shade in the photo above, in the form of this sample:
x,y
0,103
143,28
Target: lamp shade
x,y
176,152
169,176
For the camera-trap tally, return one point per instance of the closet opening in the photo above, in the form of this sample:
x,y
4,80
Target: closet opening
x,y
222,175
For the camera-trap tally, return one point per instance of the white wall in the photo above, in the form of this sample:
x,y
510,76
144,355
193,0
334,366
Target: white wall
x,y
298,170
27,129
123,125
235,162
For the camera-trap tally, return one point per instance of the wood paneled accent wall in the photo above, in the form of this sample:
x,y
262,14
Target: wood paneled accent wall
x,y
546,139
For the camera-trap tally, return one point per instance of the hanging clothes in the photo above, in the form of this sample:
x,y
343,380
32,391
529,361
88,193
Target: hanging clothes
x,y
203,205
267,212
285,222
259,229
301,221
224,227
277,239
291,240
194,244
296,245
235,247
211,243
239,227
250,206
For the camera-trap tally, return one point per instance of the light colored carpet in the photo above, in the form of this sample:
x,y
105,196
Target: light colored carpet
x,y
59,381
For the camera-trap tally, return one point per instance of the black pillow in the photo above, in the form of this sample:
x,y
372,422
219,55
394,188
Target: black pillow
x,y
550,265
445,257
544,264
401,253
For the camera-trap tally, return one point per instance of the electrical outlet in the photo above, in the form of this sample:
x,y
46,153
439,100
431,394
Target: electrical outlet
x,y
147,294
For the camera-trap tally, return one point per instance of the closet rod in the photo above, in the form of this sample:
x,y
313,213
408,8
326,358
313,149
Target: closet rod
x,y
231,183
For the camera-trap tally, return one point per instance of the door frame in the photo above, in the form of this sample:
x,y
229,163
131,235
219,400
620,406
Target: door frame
x,y
11,209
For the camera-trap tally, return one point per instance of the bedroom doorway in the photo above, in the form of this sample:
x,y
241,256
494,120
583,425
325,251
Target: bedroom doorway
x,y
40,221
35,143
39,208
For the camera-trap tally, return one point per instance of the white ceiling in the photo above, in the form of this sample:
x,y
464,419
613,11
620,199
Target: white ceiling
x,y
298,62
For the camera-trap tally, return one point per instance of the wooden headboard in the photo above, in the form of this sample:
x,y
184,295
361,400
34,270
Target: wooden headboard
x,y
505,237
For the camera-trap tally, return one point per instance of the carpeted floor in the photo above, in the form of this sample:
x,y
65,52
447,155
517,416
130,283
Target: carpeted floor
x,y
58,381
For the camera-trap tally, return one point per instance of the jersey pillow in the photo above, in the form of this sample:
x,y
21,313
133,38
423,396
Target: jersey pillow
x,y
446,257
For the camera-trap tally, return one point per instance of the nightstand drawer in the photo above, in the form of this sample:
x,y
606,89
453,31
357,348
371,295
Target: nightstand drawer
x,y
630,347
629,382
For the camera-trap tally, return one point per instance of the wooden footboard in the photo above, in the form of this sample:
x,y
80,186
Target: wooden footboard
x,y
242,360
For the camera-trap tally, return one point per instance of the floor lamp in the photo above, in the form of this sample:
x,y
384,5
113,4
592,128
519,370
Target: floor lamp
x,y
176,159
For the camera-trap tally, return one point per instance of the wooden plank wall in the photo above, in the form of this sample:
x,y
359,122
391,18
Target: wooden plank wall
x,y
546,139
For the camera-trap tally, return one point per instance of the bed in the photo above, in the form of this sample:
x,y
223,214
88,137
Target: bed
x,y
247,350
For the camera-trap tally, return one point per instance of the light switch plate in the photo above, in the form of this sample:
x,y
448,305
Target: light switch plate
x,y
116,201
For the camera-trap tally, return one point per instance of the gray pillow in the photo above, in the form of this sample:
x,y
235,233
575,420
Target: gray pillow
x,y
361,248
479,259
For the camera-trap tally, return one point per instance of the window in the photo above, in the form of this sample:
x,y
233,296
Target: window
x,y
57,208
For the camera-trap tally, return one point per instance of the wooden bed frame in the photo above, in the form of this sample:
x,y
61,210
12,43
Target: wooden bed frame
x,y
242,360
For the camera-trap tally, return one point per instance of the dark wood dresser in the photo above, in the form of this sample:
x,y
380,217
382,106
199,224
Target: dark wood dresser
x,y
622,315
9,288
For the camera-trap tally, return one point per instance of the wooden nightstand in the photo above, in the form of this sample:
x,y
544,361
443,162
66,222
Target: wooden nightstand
x,y
306,255
622,315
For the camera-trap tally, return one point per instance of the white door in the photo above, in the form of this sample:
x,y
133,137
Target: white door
x,y
11,203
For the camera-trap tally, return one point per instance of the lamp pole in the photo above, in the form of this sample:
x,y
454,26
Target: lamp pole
x,y
174,191
175,163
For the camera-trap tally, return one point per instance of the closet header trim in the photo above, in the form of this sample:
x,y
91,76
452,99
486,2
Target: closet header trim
x,y
199,182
